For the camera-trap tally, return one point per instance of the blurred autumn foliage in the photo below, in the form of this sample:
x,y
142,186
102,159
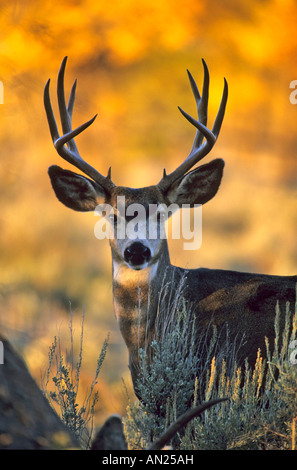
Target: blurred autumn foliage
x,y
130,58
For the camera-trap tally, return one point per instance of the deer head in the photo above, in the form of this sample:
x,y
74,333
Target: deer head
x,y
182,186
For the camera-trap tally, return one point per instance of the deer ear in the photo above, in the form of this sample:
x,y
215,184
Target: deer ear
x,y
198,186
76,191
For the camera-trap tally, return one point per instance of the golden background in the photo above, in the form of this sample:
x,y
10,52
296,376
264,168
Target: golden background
x,y
130,58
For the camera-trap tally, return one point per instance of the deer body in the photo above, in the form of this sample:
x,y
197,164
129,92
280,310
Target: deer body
x,y
245,302
145,283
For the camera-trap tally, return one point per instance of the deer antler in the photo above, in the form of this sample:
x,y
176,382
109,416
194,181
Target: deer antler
x,y
70,153
199,149
180,422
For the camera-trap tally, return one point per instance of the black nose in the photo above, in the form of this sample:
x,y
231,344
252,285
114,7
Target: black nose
x,y
137,254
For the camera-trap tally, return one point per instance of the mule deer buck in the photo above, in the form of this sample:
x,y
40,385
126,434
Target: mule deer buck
x,y
243,301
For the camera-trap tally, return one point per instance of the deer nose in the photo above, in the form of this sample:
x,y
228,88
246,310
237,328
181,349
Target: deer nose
x,y
137,254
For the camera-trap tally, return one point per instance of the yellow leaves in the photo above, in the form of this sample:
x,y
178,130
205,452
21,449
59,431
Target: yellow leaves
x,y
136,28
236,385
211,380
241,386
267,34
21,47
125,45
127,30
258,374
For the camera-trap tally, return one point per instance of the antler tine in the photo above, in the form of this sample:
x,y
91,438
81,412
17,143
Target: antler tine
x,y
201,102
71,100
221,113
71,153
199,149
66,113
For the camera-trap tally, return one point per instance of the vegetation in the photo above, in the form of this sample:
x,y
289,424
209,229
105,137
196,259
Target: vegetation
x,y
65,375
261,412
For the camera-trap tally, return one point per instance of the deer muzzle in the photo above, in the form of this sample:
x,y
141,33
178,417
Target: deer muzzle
x,y
137,254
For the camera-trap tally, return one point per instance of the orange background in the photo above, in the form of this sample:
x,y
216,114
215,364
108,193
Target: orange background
x,y
130,58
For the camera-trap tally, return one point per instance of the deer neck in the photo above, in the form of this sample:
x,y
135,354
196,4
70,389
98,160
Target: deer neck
x,y
135,297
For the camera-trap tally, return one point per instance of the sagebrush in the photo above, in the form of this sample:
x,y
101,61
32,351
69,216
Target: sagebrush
x,y
60,385
261,412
